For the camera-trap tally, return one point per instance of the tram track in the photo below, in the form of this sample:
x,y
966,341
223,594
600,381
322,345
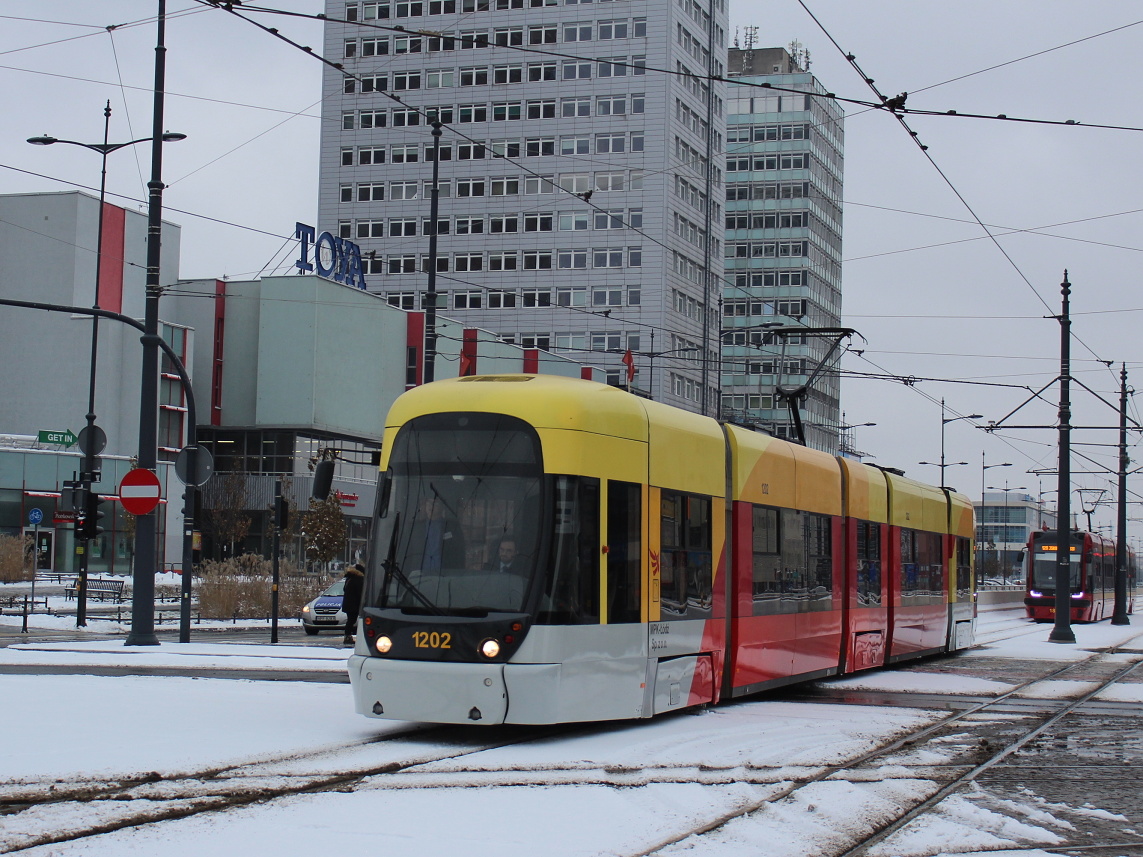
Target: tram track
x,y
945,780
132,802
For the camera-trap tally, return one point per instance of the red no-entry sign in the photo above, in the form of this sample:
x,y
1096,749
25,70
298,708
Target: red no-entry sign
x,y
139,492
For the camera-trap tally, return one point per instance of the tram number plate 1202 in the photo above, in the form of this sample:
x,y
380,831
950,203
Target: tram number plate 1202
x,y
432,639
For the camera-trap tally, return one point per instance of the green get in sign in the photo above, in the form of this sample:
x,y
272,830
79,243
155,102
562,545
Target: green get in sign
x,y
63,438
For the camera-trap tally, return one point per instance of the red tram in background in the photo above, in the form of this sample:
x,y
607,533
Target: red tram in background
x,y
1092,563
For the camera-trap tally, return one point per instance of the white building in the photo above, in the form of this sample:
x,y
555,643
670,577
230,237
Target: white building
x,y
783,244
580,172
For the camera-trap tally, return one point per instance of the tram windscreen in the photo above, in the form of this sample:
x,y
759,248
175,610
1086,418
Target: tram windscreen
x,y
459,516
1043,576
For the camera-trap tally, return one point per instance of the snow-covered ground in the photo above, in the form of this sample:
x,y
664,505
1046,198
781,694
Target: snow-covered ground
x,y
617,790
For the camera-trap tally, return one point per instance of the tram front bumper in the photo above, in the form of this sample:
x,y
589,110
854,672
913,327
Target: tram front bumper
x,y
441,693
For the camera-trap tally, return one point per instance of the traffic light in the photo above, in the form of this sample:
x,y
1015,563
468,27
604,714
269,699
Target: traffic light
x,y
282,513
90,528
323,479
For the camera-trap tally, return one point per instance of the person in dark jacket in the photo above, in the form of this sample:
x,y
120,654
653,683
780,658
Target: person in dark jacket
x,y
351,599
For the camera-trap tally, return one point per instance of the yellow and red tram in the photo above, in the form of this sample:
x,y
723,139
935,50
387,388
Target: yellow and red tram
x,y
553,550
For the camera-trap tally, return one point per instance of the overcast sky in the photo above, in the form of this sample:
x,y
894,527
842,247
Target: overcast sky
x,y
932,295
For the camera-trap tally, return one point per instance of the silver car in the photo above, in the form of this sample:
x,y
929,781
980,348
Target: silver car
x,y
324,612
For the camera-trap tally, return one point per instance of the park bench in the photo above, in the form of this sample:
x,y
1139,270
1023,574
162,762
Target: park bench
x,y
98,588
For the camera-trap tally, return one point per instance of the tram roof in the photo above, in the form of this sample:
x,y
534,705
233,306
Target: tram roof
x,y
549,401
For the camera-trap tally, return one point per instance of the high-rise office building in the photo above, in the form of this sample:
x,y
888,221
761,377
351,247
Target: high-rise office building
x,y
783,244
579,172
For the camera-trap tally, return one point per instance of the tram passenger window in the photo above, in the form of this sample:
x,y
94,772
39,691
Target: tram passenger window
x,y
793,575
571,591
963,568
819,561
767,585
685,556
868,564
909,570
625,552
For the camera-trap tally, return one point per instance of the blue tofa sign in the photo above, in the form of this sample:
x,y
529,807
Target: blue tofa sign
x,y
334,258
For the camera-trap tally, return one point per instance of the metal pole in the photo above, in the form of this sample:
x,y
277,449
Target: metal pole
x,y
88,476
1119,614
431,293
944,423
1062,630
275,564
35,569
146,533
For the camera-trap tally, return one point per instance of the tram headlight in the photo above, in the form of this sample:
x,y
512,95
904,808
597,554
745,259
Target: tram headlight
x,y
490,648
383,644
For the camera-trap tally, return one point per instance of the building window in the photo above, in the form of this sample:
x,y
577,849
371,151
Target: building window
x,y
615,29
538,222
503,74
403,227
473,76
546,35
468,262
607,258
403,190
402,265
610,143
575,182
574,297
541,71
537,297
504,223
573,221
406,154
542,109
611,105
535,147
576,107
371,155
501,299
578,32
571,258
407,80
469,225
466,300
576,70
469,187
537,260
539,184
505,261
509,36
506,111
371,229
472,113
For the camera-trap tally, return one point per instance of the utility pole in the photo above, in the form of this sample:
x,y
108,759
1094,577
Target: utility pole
x,y
146,534
1119,614
1062,631
431,293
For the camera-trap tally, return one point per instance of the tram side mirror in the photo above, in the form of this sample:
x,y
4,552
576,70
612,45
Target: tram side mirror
x,y
1020,557
323,480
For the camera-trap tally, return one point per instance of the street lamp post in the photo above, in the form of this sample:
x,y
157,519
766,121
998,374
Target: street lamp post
x,y
944,422
983,468
90,473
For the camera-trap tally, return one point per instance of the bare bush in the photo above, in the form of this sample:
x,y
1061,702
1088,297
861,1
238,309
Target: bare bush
x,y
240,588
16,558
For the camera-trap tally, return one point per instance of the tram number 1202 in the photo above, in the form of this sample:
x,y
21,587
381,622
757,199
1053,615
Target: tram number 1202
x,y
432,640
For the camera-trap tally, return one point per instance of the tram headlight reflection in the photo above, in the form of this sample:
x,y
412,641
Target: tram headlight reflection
x,y
384,644
490,648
